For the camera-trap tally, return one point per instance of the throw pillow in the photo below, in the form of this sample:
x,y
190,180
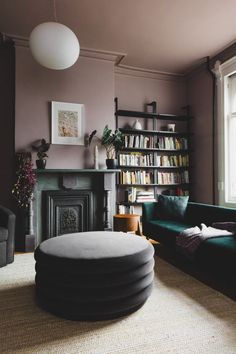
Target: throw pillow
x,y
171,207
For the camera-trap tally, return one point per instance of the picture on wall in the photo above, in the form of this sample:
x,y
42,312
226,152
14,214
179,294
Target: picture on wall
x,y
67,123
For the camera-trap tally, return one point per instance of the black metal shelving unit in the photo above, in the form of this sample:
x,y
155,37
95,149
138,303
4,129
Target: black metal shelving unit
x,y
155,133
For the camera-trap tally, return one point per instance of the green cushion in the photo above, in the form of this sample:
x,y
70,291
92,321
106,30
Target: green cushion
x,y
171,207
165,231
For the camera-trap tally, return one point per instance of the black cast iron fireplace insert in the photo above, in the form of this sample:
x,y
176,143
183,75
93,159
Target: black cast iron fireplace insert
x,y
67,211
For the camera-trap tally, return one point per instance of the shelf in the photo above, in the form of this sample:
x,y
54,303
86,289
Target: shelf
x,y
153,167
136,114
134,203
153,149
152,132
152,185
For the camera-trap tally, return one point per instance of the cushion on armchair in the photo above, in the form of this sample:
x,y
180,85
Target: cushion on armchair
x,y
171,207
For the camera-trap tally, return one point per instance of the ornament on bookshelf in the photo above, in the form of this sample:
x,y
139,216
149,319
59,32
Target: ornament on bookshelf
x,y
137,125
171,127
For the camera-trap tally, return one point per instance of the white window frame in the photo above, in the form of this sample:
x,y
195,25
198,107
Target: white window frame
x,y
222,73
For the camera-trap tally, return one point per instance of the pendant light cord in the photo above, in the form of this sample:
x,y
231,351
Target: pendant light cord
x,y
55,11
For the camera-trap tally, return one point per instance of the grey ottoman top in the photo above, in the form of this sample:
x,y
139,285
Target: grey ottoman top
x,y
95,251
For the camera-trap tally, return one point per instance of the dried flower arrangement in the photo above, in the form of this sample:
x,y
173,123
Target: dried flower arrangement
x,y
25,180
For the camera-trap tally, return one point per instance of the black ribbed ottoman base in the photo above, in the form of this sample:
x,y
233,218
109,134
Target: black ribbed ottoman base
x,y
93,275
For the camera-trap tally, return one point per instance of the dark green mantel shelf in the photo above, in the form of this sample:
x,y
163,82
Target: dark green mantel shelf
x,y
91,170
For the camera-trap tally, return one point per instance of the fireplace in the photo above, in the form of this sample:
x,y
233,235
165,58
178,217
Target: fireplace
x,y
67,211
68,201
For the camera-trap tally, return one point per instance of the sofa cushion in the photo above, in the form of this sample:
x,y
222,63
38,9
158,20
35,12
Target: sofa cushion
x,y
166,231
172,207
219,255
3,234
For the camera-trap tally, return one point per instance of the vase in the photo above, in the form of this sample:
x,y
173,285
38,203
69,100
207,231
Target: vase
x,y
96,157
41,164
111,164
137,125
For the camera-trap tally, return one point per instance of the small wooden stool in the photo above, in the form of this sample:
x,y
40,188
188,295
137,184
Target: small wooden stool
x,y
126,222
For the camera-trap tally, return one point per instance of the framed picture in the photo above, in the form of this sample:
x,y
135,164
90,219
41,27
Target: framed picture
x,y
67,124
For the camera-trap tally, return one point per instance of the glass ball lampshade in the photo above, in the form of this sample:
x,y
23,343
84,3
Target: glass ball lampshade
x,y
54,45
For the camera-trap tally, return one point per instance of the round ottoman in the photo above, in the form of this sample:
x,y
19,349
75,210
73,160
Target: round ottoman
x,y
93,275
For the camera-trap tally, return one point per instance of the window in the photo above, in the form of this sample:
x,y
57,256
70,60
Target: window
x,y
226,133
230,139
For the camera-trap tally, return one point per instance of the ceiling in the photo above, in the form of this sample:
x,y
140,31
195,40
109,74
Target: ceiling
x,y
163,35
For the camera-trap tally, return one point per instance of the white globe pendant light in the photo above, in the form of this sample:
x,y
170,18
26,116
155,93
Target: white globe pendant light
x,y
54,45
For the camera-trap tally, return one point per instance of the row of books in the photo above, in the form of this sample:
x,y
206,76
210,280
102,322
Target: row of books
x,y
142,160
173,160
135,177
173,177
176,191
172,143
125,209
139,141
132,196
136,159
145,196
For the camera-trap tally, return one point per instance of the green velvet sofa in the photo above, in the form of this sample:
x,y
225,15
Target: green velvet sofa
x,y
217,254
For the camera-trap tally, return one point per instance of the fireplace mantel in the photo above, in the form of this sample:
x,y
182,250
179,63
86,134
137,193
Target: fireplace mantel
x,y
61,170
100,183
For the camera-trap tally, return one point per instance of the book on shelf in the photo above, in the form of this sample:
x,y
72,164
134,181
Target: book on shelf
x,y
135,159
125,209
138,141
172,143
173,177
174,161
136,177
130,195
145,196
176,191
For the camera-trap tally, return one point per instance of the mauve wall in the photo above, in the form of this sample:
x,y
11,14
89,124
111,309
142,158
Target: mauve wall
x,y
199,97
89,81
133,92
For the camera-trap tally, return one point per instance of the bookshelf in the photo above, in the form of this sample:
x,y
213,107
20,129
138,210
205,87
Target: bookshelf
x,y
153,160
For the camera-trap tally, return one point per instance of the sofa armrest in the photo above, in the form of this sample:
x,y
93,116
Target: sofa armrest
x,y
7,220
148,209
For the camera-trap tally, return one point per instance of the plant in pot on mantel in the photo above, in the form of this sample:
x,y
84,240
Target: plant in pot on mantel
x,y
41,147
112,142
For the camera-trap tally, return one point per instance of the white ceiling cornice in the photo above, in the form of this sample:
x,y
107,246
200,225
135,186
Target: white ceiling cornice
x,y
147,73
114,57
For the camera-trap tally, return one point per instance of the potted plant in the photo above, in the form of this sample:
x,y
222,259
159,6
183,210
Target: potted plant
x,y
112,142
42,147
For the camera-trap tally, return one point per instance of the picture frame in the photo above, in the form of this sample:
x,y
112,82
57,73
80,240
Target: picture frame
x,y
67,123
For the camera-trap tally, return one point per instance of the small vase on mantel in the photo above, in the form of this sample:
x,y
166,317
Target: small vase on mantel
x,y
41,164
96,166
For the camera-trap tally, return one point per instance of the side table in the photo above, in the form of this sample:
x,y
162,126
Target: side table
x,y
127,223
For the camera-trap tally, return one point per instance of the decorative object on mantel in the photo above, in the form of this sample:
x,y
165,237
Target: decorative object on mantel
x,y
25,180
96,166
23,191
112,142
67,125
41,147
53,45
137,125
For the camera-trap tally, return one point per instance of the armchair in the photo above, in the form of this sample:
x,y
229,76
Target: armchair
x,y
7,236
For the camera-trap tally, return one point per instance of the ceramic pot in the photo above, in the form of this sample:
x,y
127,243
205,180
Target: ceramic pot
x,y
137,125
111,164
41,164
